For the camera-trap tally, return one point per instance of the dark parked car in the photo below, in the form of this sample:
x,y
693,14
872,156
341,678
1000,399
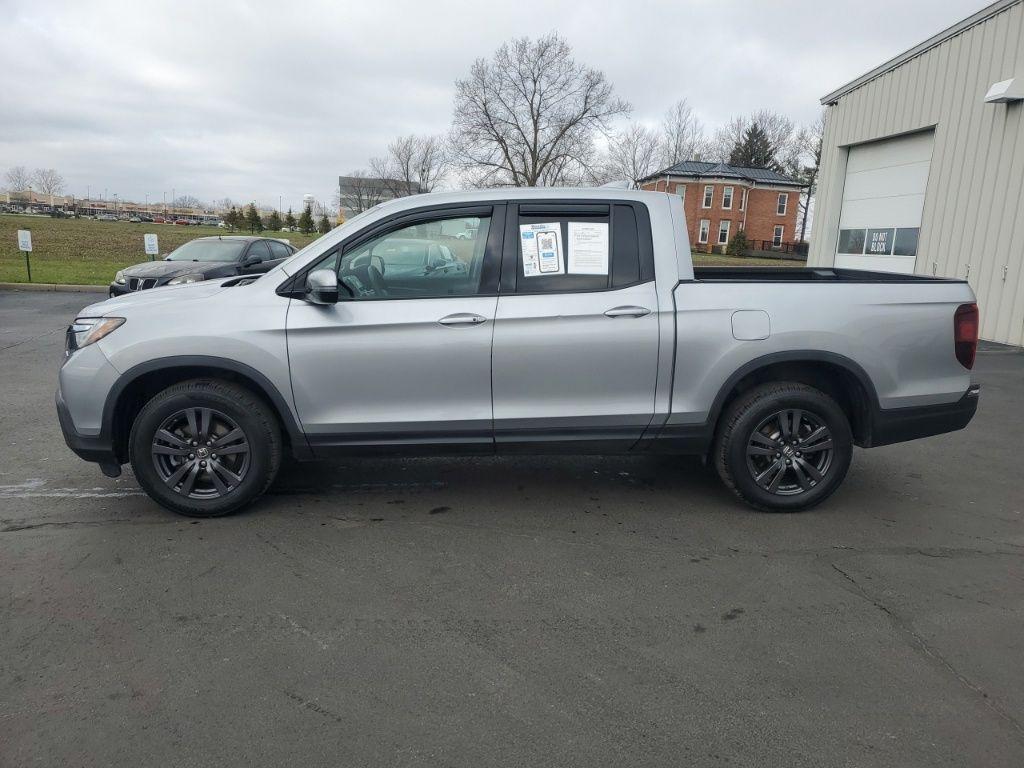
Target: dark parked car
x,y
203,259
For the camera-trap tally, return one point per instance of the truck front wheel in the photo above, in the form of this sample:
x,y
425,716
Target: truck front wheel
x,y
205,447
783,447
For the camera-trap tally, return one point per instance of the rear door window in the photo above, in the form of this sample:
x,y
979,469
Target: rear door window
x,y
565,248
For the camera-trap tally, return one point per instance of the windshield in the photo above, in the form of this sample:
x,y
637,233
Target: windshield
x,y
209,250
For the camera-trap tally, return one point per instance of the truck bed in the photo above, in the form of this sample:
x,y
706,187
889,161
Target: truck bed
x,y
806,275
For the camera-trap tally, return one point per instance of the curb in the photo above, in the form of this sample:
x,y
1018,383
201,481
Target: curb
x,y
53,287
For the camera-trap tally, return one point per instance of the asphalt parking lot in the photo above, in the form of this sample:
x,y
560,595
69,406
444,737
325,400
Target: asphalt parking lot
x,y
528,611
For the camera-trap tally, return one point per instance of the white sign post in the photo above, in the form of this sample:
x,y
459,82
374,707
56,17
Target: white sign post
x,y
25,245
152,245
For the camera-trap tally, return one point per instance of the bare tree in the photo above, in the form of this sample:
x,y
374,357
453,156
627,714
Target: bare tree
x,y
808,152
47,181
413,164
18,178
360,191
186,201
683,136
726,139
635,154
528,116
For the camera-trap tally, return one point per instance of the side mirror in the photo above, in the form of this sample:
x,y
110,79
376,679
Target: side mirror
x,y
252,261
322,287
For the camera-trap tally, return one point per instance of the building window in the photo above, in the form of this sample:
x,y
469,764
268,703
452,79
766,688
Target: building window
x,y
905,243
705,228
743,200
709,195
723,232
783,203
777,236
851,241
727,197
681,191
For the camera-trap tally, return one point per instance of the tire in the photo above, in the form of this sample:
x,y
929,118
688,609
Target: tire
x,y
173,447
758,460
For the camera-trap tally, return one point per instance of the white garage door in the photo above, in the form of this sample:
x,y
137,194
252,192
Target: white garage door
x,y
883,198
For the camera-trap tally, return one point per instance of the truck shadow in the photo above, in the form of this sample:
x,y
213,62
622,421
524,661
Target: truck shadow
x,y
509,481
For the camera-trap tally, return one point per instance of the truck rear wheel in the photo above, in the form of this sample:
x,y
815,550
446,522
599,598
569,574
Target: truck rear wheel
x,y
783,447
205,448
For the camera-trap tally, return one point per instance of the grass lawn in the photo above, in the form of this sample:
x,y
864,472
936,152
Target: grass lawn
x,y
89,252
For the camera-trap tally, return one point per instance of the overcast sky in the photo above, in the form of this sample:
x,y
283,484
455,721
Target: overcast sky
x,y
259,100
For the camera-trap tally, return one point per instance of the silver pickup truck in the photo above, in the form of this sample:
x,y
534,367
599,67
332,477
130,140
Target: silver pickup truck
x,y
515,320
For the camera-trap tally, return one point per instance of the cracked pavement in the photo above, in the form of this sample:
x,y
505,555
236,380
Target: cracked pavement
x,y
523,611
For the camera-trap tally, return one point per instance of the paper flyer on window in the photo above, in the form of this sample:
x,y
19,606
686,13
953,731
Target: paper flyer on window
x,y
588,248
542,249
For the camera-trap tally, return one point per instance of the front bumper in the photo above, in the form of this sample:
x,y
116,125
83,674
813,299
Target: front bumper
x,y
897,425
95,448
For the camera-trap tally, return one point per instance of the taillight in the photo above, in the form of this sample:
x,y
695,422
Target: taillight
x,y
965,334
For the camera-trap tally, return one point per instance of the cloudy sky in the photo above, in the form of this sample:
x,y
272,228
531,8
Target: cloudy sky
x,y
256,100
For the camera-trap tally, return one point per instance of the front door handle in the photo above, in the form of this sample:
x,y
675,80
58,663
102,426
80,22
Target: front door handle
x,y
462,318
629,311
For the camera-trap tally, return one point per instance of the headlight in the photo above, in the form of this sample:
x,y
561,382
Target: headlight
x,y
88,330
119,277
181,279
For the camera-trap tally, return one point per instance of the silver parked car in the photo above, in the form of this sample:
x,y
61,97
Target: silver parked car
x,y
571,321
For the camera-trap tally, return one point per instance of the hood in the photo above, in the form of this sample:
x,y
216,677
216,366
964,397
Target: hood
x,y
152,296
171,268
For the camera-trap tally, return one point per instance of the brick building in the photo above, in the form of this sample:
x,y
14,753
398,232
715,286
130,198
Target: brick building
x,y
721,199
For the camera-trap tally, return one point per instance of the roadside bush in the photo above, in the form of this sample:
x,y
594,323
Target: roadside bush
x,y
739,245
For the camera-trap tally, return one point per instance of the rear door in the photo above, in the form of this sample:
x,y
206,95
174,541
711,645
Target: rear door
x,y
576,331
404,358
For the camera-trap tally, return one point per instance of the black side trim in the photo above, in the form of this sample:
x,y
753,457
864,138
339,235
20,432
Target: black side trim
x,y
697,438
300,448
897,425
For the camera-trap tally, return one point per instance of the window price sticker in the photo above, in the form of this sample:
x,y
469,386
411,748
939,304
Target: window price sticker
x,y
542,249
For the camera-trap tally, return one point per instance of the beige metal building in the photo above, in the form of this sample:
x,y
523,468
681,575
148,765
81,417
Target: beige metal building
x,y
922,166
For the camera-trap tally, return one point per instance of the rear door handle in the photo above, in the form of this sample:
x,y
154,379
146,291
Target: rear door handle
x,y
628,311
462,318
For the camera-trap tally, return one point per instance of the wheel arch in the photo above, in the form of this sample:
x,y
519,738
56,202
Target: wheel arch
x,y
838,376
138,384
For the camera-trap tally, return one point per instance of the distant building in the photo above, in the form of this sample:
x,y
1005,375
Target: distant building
x,y
721,199
359,193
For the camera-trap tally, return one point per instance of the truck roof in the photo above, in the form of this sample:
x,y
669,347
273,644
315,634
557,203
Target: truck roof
x,y
516,193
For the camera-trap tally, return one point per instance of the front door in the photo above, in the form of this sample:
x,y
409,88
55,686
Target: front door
x,y
404,358
576,332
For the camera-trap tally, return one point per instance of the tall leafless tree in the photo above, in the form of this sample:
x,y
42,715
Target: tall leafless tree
x,y
808,153
413,164
528,116
187,201
683,136
635,153
18,178
47,181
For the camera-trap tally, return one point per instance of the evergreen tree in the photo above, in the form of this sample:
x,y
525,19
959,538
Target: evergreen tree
x,y
289,219
252,219
324,225
754,150
273,221
739,244
306,225
231,218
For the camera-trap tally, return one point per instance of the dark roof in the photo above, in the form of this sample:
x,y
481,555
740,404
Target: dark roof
x,y
726,171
